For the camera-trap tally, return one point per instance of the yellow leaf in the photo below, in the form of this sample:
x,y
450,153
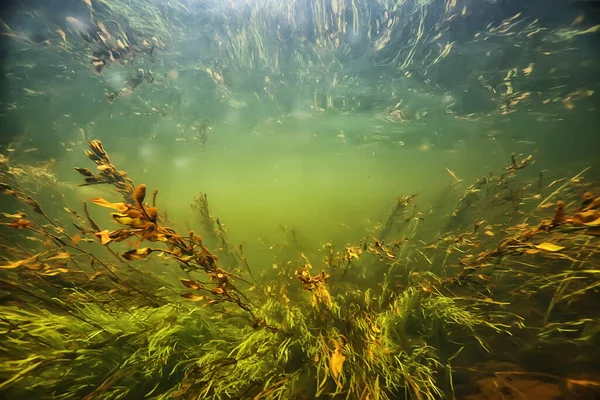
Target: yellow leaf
x,y
595,222
104,236
549,247
123,219
336,362
17,216
17,264
527,71
95,275
63,255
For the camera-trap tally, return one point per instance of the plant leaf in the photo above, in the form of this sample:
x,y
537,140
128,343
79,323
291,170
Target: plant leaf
x,y
549,247
532,251
192,297
19,263
595,222
336,362
104,236
137,253
14,216
124,219
120,207
191,284
84,171
63,255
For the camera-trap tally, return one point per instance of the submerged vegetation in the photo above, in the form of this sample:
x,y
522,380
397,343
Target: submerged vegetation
x,y
121,298
464,314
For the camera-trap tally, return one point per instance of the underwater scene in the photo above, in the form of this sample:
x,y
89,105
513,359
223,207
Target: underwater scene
x,y
300,199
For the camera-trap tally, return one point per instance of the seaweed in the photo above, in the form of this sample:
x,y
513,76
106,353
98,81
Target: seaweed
x,y
87,313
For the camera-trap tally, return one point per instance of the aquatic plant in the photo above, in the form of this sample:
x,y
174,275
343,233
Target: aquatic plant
x,y
76,324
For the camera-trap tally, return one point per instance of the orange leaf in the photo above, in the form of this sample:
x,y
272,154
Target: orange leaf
x,y
581,382
18,223
192,297
121,207
84,171
139,195
137,253
191,284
